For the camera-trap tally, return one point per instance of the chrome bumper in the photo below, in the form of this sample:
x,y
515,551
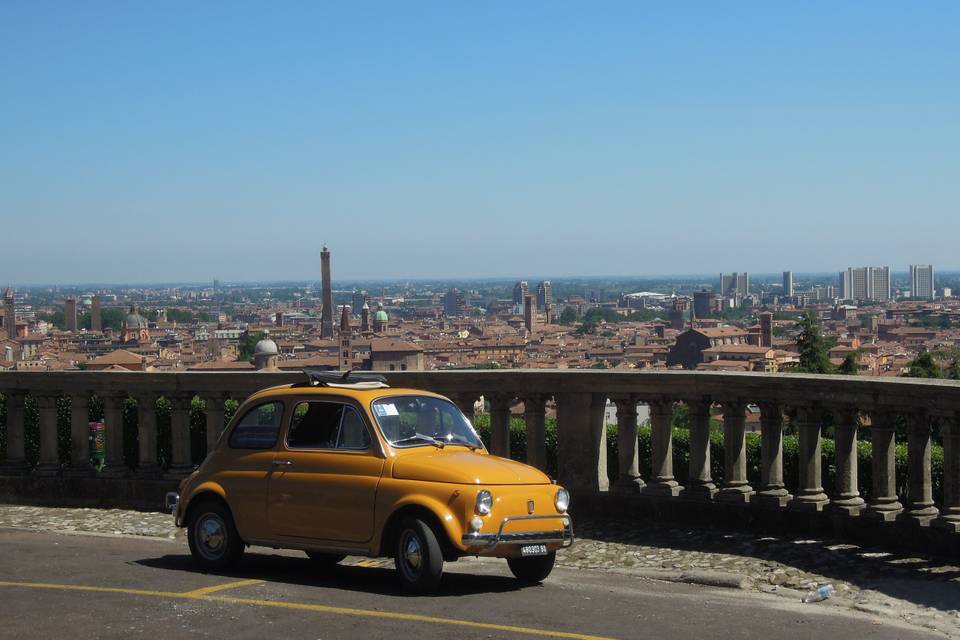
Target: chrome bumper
x,y
488,541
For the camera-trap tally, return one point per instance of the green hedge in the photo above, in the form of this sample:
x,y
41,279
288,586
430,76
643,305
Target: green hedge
x,y
681,456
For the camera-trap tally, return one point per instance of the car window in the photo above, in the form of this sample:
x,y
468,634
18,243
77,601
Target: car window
x,y
327,425
258,428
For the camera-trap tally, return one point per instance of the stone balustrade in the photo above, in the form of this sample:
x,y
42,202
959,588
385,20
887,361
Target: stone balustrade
x,y
581,398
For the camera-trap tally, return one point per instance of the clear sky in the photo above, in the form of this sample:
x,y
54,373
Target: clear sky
x,y
165,141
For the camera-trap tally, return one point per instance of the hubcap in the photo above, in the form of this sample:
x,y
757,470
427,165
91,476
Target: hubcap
x,y
211,536
412,555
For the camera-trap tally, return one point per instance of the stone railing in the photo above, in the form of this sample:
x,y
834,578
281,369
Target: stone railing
x,y
580,398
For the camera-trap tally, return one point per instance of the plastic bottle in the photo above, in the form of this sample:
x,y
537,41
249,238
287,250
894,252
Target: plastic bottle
x,y
822,592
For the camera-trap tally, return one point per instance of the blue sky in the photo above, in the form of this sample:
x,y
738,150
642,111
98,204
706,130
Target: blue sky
x,y
187,141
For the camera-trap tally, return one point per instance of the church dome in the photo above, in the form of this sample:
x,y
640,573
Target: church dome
x,y
134,320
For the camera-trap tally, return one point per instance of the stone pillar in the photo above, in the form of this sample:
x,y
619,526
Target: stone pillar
x,y
628,479
582,463
180,464
534,415
920,509
214,410
950,516
810,495
79,436
846,497
147,435
114,465
15,462
49,462
500,425
884,504
701,485
736,489
465,401
662,482
772,492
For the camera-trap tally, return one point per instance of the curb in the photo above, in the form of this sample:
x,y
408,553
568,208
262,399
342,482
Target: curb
x,y
719,579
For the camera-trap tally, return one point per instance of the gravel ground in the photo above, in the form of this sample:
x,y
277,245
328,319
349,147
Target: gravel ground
x,y
921,590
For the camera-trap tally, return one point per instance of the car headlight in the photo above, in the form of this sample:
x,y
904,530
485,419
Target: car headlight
x,y
484,502
562,500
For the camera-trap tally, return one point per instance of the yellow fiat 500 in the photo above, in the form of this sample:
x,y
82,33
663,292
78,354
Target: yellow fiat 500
x,y
343,465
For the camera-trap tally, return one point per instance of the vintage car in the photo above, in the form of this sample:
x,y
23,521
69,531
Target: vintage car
x,y
344,465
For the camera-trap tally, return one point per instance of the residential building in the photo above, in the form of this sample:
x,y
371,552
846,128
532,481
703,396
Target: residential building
x,y
788,284
921,281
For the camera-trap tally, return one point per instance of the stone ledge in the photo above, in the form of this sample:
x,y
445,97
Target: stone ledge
x,y
114,493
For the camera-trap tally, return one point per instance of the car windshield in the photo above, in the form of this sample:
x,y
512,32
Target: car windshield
x,y
416,421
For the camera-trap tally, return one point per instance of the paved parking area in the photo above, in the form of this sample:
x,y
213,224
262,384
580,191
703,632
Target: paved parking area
x,y
111,587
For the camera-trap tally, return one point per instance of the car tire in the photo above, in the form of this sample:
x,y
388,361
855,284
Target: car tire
x,y
212,536
324,559
534,569
418,557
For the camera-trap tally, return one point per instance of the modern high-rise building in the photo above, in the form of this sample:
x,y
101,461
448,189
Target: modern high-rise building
x,y
453,303
921,281
70,313
788,284
544,294
520,291
359,299
865,283
703,303
735,284
326,313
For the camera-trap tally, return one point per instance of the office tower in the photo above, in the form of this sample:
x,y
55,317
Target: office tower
x,y
865,283
788,284
544,294
530,313
326,313
70,313
453,303
921,281
702,303
359,299
96,318
880,289
346,340
766,329
520,291
735,284
846,291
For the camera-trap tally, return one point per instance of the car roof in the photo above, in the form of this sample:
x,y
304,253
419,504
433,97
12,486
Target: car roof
x,y
364,396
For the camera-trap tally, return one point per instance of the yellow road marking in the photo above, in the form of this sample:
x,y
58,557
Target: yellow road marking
x,y
303,606
221,587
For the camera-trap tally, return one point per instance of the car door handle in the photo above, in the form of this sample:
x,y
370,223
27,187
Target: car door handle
x,y
282,463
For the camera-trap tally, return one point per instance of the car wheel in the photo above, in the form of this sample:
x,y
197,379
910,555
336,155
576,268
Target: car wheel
x,y
418,557
534,569
324,559
213,538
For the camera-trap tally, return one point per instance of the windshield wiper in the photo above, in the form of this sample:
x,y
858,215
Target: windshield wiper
x,y
439,444
465,443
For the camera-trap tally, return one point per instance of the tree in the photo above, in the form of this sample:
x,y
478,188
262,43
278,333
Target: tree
x,y
247,343
569,316
924,366
814,347
953,371
851,364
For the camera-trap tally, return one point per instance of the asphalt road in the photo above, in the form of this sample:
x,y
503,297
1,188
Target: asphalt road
x,y
54,586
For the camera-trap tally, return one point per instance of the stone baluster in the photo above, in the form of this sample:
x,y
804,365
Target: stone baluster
x,y
950,515
79,435
500,424
736,489
884,504
920,509
180,463
49,462
662,482
628,479
114,465
700,485
534,414
15,462
772,492
810,495
583,449
149,467
214,413
846,497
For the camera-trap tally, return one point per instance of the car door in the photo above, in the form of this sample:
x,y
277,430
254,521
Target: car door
x,y
246,466
326,473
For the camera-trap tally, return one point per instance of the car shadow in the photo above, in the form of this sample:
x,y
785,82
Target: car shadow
x,y
292,570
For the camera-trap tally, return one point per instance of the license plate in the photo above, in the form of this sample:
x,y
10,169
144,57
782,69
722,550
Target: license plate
x,y
533,550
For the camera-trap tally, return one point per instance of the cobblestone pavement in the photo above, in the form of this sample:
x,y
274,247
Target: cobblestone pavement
x,y
924,591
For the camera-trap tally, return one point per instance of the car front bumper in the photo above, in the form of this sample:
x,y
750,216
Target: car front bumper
x,y
485,542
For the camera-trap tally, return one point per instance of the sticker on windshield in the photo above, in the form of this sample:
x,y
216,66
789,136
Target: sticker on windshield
x,y
386,410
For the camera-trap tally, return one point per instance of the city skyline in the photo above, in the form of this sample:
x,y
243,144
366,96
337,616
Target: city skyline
x,y
493,140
